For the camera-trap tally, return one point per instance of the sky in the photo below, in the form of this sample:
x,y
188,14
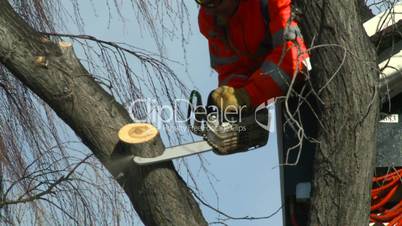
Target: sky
x,y
245,184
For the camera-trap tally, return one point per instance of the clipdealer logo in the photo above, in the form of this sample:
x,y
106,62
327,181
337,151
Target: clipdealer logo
x,y
162,115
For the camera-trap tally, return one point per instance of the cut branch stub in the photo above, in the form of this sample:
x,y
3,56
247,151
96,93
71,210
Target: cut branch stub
x,y
41,61
137,133
63,44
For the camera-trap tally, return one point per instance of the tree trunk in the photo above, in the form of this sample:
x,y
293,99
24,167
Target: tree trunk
x,y
54,73
345,156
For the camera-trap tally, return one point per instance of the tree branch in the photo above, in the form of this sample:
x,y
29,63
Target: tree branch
x,y
54,73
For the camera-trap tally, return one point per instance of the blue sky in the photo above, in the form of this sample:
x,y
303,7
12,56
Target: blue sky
x,y
246,184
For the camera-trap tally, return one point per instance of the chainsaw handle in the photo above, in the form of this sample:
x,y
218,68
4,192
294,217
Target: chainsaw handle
x,y
212,109
199,118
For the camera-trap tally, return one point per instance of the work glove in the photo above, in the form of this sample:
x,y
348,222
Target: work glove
x,y
227,98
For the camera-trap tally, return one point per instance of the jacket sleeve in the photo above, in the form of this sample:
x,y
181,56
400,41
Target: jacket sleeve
x,y
288,57
222,59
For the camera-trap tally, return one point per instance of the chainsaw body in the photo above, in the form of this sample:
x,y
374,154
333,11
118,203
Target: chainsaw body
x,y
229,135
239,136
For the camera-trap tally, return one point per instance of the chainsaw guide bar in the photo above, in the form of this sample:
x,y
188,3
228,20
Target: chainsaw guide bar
x,y
175,152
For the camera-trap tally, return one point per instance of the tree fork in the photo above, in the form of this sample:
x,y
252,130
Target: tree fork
x,y
53,72
345,155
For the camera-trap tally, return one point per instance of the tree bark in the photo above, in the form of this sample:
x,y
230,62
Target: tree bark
x,y
345,156
54,73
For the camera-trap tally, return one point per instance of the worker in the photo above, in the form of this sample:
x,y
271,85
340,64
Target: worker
x,y
255,47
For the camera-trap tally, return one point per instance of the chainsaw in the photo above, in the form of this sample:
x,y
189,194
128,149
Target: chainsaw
x,y
221,132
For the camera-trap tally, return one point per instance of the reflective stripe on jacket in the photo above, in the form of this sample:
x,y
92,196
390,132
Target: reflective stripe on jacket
x,y
255,52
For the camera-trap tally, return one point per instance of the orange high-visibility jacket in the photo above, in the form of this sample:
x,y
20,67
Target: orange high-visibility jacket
x,y
260,49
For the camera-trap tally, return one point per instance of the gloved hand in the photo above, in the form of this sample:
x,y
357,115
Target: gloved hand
x,y
227,98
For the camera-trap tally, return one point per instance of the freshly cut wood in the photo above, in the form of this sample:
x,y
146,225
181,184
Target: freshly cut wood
x,y
63,44
137,133
42,61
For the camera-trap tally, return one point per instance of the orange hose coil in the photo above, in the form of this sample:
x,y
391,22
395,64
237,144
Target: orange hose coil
x,y
380,197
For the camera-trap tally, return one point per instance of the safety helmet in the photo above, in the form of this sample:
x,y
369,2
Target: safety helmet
x,y
209,3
